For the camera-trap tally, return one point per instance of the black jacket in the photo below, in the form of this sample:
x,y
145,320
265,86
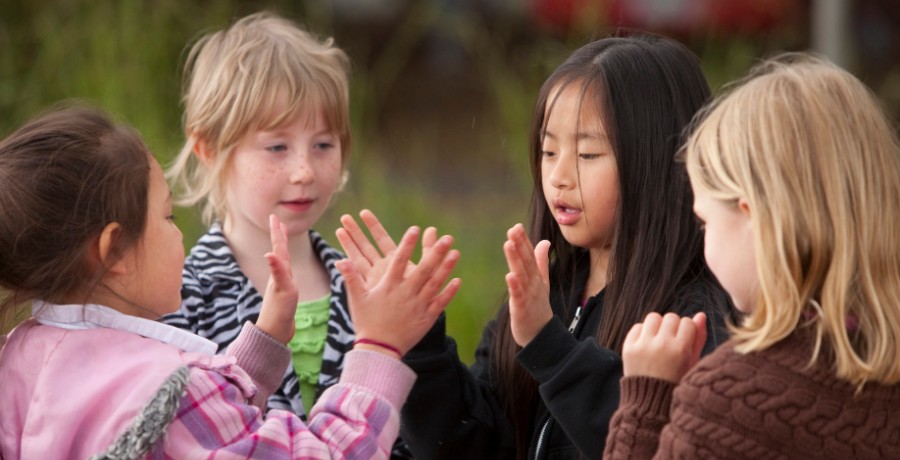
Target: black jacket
x,y
453,411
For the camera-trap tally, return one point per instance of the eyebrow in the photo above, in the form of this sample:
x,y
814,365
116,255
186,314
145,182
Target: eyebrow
x,y
580,136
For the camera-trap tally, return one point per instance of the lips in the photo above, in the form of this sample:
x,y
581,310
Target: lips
x,y
298,205
564,213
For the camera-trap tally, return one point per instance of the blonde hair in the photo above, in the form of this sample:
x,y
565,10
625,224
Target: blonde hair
x,y
810,149
232,80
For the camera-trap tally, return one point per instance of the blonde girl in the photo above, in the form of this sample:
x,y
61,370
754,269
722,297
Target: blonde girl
x,y
267,126
796,173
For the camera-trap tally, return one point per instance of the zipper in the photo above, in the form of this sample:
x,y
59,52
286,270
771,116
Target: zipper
x,y
575,320
540,440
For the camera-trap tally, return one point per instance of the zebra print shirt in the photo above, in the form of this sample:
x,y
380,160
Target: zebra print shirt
x,y
217,298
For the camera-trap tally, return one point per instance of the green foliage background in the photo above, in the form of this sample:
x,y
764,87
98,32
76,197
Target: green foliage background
x,y
423,152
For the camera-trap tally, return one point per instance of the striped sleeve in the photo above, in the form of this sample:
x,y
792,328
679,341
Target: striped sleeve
x,y
357,418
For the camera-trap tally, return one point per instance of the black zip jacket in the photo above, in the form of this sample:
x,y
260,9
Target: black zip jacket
x,y
453,412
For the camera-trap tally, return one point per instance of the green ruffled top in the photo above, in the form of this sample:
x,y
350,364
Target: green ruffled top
x,y
308,345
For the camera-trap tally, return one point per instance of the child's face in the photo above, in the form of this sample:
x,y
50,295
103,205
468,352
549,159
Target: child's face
x,y
728,247
158,258
291,171
578,170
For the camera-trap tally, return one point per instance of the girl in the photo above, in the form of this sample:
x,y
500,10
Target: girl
x,y
267,125
615,209
87,233
796,173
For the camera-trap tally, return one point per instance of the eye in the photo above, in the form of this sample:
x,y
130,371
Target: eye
x,y
277,148
324,145
547,154
171,217
589,156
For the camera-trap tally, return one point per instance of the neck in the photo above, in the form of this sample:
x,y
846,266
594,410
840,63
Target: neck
x,y
108,297
599,270
249,246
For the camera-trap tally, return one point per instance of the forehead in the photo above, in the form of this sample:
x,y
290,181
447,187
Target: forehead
x,y
158,184
573,107
283,113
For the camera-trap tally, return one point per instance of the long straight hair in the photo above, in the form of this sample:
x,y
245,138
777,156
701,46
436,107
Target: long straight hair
x,y
648,88
813,153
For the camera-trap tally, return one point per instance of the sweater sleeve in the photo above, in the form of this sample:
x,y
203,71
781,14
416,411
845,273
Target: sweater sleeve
x,y
263,358
643,412
357,418
578,382
452,412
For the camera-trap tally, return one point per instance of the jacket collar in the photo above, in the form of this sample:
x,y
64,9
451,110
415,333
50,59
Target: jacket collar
x,y
90,316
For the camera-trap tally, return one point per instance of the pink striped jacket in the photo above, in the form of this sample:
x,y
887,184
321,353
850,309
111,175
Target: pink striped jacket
x,y
72,393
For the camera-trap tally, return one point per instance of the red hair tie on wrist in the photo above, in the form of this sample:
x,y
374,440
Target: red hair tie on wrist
x,y
380,344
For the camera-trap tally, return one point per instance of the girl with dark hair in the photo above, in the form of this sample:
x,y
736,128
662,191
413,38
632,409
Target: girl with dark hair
x,y
612,211
87,237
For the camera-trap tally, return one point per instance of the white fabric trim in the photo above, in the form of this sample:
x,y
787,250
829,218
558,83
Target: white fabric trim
x,y
89,316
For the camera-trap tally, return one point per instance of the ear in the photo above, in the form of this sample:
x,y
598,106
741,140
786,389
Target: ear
x,y
104,249
203,151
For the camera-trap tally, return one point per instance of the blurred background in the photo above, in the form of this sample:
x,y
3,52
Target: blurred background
x,y
442,91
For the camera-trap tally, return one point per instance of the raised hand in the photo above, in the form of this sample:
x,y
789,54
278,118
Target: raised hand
x,y
402,304
664,347
528,282
276,316
369,260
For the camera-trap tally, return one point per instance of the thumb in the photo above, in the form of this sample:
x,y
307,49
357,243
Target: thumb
x,y
542,256
352,281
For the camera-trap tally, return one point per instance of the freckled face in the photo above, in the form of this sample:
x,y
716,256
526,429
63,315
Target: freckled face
x,y
291,172
578,170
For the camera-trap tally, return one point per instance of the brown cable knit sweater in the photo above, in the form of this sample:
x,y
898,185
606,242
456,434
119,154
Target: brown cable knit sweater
x,y
761,405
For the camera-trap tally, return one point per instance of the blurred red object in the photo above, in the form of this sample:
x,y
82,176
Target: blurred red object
x,y
674,16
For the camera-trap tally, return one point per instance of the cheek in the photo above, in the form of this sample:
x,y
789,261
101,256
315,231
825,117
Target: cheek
x,y
329,175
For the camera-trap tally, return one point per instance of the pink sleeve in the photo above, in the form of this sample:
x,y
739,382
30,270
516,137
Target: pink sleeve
x,y
263,358
357,418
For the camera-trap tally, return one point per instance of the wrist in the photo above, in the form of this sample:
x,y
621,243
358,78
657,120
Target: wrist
x,y
377,346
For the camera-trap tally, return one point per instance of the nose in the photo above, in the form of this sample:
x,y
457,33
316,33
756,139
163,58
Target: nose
x,y
564,172
301,169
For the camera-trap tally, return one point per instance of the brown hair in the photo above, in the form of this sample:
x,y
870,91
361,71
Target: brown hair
x,y
64,176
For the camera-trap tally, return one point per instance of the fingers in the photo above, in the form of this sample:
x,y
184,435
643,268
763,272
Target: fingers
x,y
520,256
280,273
359,239
424,274
278,237
352,281
633,334
351,249
400,258
699,324
436,278
438,301
382,238
429,238
443,299
542,256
